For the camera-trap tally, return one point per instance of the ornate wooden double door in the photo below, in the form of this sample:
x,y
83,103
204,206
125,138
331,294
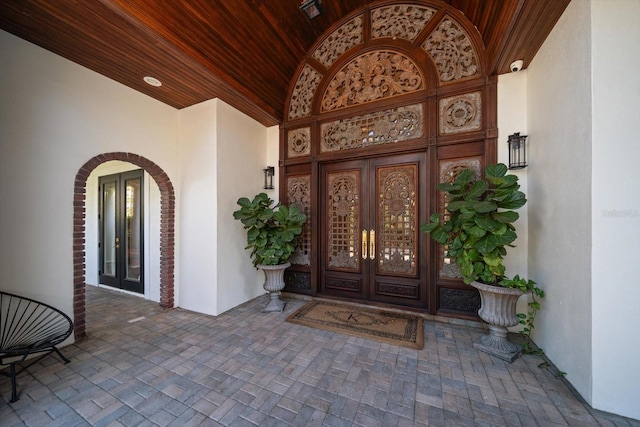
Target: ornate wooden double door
x,y
390,101
370,243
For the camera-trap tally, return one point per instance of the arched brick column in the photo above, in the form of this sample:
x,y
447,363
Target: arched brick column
x,y
167,232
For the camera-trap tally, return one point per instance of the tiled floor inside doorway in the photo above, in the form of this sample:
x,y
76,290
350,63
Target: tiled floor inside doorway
x,y
143,366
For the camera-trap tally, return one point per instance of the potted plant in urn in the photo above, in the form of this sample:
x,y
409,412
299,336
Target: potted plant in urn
x,y
475,233
272,233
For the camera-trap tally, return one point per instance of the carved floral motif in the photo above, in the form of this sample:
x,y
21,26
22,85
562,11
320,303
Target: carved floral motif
x,y
452,52
462,113
299,195
297,280
384,127
303,92
370,77
339,41
299,142
449,170
399,21
397,213
343,221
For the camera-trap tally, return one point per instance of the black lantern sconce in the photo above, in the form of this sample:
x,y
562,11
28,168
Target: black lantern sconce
x,y
269,171
311,8
517,151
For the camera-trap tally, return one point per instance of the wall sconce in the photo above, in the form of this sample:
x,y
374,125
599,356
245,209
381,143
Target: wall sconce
x,y
311,8
517,151
269,171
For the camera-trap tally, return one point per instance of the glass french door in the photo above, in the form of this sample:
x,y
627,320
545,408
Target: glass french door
x,y
371,247
121,231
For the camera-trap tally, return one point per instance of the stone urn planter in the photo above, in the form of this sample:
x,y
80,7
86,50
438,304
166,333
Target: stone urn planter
x,y
272,235
475,233
274,283
498,309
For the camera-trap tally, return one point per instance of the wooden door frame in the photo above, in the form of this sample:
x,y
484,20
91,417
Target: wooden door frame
x,y
368,269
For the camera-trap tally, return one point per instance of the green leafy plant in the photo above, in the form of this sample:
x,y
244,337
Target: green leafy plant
x,y
272,230
480,222
527,320
479,227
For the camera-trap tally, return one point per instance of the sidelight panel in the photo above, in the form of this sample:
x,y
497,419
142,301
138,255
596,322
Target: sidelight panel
x,y
133,231
109,223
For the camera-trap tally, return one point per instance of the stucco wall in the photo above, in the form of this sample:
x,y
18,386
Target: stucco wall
x,y
196,227
54,116
52,122
559,181
615,210
242,151
512,117
586,219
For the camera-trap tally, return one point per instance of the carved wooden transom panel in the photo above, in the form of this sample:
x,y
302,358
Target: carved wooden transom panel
x,y
384,73
370,77
303,93
403,21
299,142
338,42
461,113
384,127
452,52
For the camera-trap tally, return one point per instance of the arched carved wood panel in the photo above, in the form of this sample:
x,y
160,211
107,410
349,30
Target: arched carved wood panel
x,y
394,77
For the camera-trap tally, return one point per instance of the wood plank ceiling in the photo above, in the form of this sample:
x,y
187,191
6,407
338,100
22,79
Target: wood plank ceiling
x,y
244,52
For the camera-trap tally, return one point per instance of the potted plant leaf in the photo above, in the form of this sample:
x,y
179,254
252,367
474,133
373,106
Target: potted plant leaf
x,y
475,233
272,232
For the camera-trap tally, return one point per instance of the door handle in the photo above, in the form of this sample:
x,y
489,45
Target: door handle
x,y
372,244
364,244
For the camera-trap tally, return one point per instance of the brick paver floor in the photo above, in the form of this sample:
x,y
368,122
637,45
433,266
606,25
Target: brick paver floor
x,y
141,365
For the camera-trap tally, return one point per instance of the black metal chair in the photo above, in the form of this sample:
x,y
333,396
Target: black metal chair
x,y
29,327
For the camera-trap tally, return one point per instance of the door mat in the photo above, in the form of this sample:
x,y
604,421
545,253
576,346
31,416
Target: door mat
x,y
389,327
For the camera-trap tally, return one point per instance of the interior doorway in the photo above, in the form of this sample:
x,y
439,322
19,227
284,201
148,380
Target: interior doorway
x,y
81,234
121,229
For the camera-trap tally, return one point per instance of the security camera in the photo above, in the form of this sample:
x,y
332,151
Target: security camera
x,y
516,65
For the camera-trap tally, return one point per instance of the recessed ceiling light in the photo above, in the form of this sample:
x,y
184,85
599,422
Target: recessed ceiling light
x,y
152,81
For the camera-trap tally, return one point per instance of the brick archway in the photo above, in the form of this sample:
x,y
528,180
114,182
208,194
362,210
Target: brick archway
x,y
167,229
